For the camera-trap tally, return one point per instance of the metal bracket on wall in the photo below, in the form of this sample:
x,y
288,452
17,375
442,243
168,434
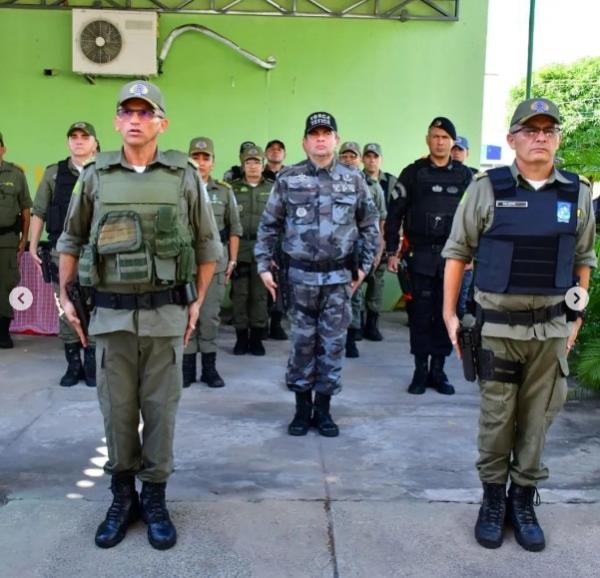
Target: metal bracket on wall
x,y
402,10
267,64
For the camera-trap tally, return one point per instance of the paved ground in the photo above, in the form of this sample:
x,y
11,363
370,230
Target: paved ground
x,y
395,495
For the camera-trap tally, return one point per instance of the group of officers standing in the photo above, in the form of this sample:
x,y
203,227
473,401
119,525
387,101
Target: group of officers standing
x,y
136,227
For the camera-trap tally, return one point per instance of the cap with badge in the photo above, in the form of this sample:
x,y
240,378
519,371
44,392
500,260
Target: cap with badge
x,y
372,147
254,152
320,120
462,143
350,146
86,127
445,124
275,141
143,90
202,144
535,107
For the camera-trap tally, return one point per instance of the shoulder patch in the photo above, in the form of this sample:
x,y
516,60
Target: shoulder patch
x,y
223,184
480,175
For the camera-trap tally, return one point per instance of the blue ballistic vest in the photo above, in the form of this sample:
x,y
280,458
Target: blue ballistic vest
x,y
530,247
431,210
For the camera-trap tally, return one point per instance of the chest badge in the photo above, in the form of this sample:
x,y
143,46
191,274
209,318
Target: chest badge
x,y
301,212
437,189
563,212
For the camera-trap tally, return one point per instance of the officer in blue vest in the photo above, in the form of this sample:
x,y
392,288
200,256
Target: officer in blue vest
x,y
531,228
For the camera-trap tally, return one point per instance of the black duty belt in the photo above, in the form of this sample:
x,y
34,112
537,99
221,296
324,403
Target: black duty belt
x,y
153,300
528,318
319,266
14,228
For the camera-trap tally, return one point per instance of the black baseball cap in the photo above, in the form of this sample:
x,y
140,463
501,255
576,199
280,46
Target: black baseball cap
x,y
320,119
445,124
275,141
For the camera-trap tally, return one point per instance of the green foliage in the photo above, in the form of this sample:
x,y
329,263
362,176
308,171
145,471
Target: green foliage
x,y
587,352
575,88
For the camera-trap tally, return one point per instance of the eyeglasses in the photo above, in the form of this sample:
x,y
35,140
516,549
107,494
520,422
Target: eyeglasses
x,y
534,131
145,115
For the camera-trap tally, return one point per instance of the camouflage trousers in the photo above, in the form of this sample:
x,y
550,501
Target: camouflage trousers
x,y
320,315
515,418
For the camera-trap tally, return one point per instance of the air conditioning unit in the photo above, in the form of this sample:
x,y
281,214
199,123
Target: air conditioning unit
x,y
114,42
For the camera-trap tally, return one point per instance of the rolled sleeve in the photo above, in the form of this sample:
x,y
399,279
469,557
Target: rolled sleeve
x,y
44,193
76,230
233,215
586,230
24,196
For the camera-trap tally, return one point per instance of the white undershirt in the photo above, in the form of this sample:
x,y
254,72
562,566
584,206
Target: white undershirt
x,y
537,184
139,168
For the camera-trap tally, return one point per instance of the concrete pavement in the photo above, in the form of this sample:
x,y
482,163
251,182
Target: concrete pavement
x,y
395,495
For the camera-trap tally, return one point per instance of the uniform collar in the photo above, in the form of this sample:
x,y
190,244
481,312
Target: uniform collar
x,y
211,183
555,175
449,165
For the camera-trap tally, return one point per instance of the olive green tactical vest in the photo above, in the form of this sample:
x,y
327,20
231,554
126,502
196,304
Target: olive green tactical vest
x,y
138,241
251,204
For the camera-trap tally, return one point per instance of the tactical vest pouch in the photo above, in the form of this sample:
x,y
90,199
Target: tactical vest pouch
x,y
165,271
494,258
563,275
186,265
134,267
438,226
119,232
88,268
166,239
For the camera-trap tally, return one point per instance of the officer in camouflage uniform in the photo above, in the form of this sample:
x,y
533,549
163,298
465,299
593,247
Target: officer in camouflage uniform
x,y
349,155
321,209
531,228
204,338
15,204
374,283
142,223
50,206
248,294
422,205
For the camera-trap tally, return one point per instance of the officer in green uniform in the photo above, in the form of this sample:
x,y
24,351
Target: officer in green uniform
x,y
531,228
138,229
248,294
372,159
237,171
349,155
224,205
15,204
50,206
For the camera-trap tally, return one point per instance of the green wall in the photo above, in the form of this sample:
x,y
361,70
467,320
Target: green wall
x,y
383,80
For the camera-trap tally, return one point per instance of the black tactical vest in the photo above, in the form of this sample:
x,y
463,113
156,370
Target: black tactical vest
x,y
530,247
57,210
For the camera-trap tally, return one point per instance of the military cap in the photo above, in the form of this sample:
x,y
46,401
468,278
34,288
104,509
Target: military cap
x,y
86,127
254,152
445,124
275,141
320,119
535,107
462,143
350,146
144,90
247,144
372,147
202,144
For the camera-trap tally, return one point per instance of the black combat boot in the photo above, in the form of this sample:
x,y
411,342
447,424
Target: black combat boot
x,y
241,344
276,331
161,531
89,366
124,510
188,367
210,375
351,349
490,522
419,380
372,332
437,378
322,419
303,416
74,366
255,345
5,340
521,515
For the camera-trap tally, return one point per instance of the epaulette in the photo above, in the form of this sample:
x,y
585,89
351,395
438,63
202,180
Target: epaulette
x,y
585,181
223,183
13,166
480,175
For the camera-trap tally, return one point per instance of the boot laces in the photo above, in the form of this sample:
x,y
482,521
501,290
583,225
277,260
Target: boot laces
x,y
493,505
526,511
154,504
